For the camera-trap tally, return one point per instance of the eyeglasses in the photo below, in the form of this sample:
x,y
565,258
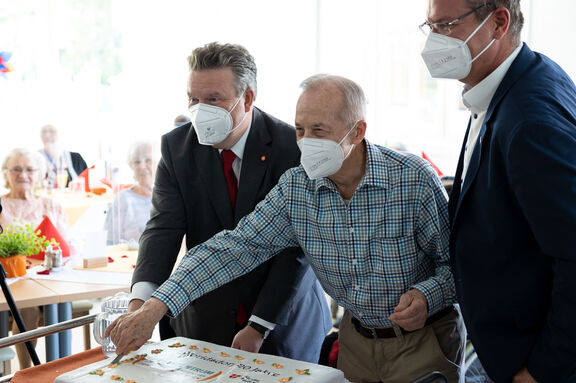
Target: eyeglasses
x,y
446,28
18,170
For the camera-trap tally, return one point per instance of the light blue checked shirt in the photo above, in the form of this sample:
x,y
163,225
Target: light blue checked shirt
x,y
390,237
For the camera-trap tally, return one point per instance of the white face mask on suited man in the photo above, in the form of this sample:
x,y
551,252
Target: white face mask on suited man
x,y
449,57
213,124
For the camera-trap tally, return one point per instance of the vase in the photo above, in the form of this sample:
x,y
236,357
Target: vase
x,y
15,266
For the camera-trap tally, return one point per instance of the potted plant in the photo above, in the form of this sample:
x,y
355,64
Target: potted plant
x,y
16,243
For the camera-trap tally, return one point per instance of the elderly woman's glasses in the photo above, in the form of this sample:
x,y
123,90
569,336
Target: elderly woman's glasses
x,y
446,28
18,170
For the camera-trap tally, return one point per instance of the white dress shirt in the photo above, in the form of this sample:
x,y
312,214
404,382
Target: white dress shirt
x,y
477,100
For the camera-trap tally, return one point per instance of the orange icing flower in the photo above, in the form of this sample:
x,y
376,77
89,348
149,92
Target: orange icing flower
x,y
139,358
193,347
116,377
130,381
177,344
223,354
284,380
206,350
156,351
277,365
98,372
238,357
258,361
113,365
303,372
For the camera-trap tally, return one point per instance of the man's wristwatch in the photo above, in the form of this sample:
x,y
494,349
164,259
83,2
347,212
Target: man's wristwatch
x,y
261,329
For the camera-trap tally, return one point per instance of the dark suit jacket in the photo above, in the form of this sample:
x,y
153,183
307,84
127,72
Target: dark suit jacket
x,y
190,197
78,162
513,240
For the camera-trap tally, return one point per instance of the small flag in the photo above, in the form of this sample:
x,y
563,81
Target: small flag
x,y
425,156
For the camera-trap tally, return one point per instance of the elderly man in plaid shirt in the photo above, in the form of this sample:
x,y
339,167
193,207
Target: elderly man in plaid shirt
x,y
373,224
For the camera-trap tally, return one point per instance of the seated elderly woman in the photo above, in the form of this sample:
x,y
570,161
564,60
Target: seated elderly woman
x,y
23,170
130,210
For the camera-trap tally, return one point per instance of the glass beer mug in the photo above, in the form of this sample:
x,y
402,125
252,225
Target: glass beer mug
x,y
112,308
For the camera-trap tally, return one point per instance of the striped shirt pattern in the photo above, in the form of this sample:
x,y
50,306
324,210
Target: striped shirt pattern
x,y
366,252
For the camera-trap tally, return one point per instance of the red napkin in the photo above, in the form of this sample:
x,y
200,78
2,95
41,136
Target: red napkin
x,y
48,230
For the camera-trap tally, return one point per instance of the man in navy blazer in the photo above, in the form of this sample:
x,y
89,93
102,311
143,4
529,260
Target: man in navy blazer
x,y
513,205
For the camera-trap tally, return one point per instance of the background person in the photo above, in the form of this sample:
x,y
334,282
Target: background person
x,y
130,209
512,208
59,159
22,171
374,225
211,174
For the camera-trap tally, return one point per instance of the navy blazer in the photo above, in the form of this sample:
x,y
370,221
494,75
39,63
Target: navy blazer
x,y
513,221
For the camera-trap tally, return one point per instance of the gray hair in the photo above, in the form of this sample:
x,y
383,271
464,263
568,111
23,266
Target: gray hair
x,y
236,57
354,108
36,158
137,145
513,6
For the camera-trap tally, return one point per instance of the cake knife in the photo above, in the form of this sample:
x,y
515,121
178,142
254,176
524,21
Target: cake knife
x,y
117,359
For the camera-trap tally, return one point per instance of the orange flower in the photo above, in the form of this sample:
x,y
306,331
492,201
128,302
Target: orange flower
x,y
277,365
258,361
193,347
206,350
303,372
284,380
238,357
223,354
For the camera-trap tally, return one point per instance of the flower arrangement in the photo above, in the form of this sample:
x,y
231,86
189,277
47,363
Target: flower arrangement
x,y
22,240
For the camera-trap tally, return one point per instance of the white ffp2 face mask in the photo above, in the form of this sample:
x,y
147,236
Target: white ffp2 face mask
x,y
212,123
449,57
322,157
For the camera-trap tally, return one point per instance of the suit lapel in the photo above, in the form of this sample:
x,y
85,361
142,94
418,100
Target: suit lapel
x,y
454,200
520,64
209,166
257,156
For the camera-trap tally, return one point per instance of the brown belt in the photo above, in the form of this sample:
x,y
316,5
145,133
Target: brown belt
x,y
388,332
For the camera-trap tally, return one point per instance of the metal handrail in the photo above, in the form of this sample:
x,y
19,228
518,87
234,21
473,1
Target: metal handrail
x,y
47,330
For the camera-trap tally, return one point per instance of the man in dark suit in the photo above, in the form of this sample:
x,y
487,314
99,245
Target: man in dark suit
x,y
214,171
513,204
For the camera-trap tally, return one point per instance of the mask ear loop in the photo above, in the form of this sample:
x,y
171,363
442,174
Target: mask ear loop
x,y
231,109
474,32
346,135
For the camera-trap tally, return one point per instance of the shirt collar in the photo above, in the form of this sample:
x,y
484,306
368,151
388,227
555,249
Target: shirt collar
x,y
238,148
477,99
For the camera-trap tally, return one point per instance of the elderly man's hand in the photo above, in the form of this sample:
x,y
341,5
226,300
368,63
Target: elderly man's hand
x,y
412,310
131,331
248,339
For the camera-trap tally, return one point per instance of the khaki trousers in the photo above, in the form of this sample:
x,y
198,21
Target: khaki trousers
x,y
439,347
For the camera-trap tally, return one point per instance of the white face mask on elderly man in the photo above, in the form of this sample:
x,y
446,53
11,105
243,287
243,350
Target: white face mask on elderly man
x,y
449,57
212,123
322,157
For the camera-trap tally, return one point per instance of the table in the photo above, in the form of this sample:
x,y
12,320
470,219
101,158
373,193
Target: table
x,y
46,373
56,297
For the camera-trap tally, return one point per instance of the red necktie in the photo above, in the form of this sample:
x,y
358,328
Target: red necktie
x,y
228,157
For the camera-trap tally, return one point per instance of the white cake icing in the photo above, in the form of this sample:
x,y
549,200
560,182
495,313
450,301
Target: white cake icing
x,y
196,361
